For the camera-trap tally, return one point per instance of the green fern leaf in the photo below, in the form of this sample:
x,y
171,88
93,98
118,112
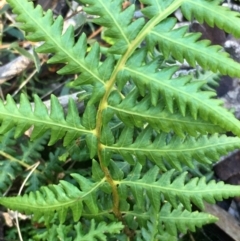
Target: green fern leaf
x,y
155,7
35,181
97,173
43,28
24,117
138,113
94,232
89,188
31,150
211,79
174,191
119,22
147,234
107,137
8,173
116,172
168,223
186,46
174,150
7,141
98,232
57,198
92,142
150,232
139,120
62,233
179,220
9,169
89,117
166,237
178,92
47,172
212,14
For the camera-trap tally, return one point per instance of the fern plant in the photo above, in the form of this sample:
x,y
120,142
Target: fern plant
x,y
141,125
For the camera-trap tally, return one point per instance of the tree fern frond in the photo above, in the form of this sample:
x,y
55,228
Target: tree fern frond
x,y
119,22
57,198
137,113
23,117
212,14
176,190
181,92
186,46
41,27
175,150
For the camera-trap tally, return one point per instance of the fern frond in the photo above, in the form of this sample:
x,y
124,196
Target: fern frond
x,y
139,121
97,232
53,165
42,27
166,237
94,232
57,198
47,172
7,142
9,169
119,23
8,173
179,220
31,150
175,150
168,223
23,117
179,92
186,46
35,181
211,79
212,14
154,7
175,189
137,113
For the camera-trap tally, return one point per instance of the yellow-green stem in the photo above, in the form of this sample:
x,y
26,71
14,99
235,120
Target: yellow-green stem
x,y
110,84
11,158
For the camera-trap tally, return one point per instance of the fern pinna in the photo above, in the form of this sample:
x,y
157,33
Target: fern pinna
x,y
141,126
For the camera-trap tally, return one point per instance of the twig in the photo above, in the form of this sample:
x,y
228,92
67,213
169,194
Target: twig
x,y
13,68
34,167
95,33
27,80
11,158
191,237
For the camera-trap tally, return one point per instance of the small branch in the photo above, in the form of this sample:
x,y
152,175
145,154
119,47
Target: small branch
x,y
14,68
11,158
25,82
34,167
